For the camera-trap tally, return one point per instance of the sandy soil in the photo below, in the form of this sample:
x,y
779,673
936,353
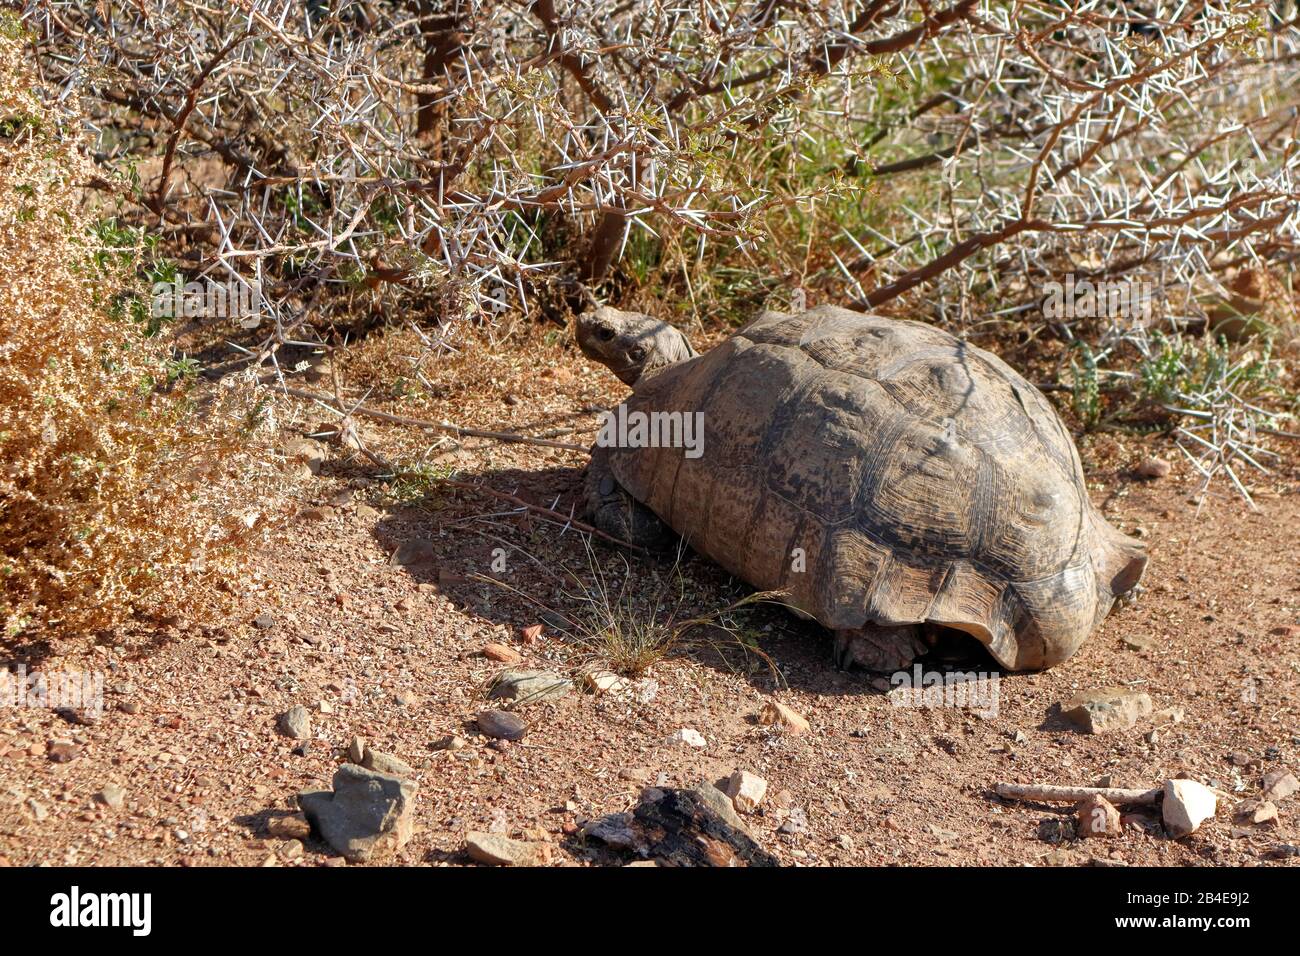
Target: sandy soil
x,y
392,652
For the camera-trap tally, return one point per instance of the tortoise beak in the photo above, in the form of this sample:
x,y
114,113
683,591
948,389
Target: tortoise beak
x,y
594,330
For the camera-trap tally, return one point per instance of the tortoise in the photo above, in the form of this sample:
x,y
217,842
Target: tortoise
x,y
893,482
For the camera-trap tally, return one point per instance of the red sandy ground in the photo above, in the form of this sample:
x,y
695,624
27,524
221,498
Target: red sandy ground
x,y
395,656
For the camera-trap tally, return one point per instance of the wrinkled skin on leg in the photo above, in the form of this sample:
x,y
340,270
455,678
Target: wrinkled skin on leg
x,y
615,512
879,648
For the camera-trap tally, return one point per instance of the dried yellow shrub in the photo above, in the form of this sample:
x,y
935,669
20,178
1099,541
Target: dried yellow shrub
x,y
116,494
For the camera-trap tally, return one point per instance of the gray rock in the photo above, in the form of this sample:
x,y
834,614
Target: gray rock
x,y
497,850
614,829
1106,709
529,687
386,763
112,796
1279,785
296,722
502,725
721,804
367,814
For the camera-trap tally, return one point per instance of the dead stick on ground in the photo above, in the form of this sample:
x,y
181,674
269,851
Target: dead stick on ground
x,y
1047,793
432,425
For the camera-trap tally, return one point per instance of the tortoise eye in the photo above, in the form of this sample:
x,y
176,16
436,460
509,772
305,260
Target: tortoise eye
x,y
605,334
637,353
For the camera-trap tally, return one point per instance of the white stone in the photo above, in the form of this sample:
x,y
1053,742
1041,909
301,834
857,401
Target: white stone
x,y
746,790
604,682
1187,805
689,737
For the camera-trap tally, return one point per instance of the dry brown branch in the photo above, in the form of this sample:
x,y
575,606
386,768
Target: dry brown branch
x,y
1050,793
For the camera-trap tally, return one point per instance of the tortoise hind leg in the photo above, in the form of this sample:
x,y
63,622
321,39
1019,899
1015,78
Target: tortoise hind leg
x,y
618,514
878,647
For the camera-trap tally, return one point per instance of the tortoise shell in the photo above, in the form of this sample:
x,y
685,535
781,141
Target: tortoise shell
x,y
883,471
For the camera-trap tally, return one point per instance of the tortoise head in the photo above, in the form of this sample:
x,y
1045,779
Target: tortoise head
x,y
629,343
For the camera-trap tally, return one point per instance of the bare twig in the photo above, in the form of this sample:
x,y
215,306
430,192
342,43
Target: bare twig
x,y
1049,793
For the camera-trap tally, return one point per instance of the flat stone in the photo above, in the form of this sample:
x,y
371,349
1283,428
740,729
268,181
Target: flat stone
x,y
502,725
295,826
386,763
689,737
779,716
497,850
1107,709
1279,785
367,815
1187,804
1169,715
1138,642
1097,817
502,653
112,796
614,829
529,687
296,722
1265,812
604,682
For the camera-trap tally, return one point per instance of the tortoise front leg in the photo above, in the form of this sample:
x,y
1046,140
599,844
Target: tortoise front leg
x,y
618,514
879,647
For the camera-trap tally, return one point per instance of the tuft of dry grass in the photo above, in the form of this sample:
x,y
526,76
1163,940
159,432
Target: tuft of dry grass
x,y
115,475
632,625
